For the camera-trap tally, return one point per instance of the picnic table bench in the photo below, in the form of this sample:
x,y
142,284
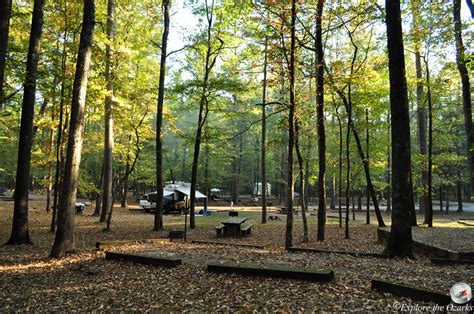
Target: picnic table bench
x,y
233,227
284,210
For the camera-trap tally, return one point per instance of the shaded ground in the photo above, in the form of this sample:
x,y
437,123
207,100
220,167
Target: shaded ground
x,y
85,281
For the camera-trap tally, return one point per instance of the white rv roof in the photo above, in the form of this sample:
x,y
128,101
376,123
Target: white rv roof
x,y
187,191
165,192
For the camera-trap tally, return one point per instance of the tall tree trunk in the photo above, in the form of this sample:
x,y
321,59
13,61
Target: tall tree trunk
x,y
320,122
264,135
421,108
367,141
124,191
400,242
210,61
348,173
158,223
109,129
50,170
98,196
291,129
339,189
421,130
65,241
466,87
5,11
20,233
429,175
348,105
389,172
59,140
302,180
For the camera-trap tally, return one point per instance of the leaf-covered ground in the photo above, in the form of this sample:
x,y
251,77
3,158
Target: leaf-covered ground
x,y
85,281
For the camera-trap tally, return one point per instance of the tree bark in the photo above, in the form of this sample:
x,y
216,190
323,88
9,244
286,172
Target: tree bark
x,y
459,196
429,175
264,135
210,61
348,105
302,181
291,130
367,142
59,140
320,122
389,172
124,191
441,200
339,189
65,240
108,121
466,87
158,222
20,233
400,242
348,174
5,11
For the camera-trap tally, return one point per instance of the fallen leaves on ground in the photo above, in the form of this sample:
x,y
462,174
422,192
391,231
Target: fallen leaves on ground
x,y
85,281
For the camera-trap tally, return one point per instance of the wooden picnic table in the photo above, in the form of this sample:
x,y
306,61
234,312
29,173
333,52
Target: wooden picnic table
x,y
232,225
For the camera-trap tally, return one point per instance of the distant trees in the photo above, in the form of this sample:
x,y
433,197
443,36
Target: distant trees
x,y
20,232
64,241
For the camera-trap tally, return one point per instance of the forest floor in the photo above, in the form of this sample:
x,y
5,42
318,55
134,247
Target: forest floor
x,y
85,281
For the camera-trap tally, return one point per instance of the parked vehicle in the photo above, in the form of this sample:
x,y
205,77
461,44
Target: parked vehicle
x,y
174,201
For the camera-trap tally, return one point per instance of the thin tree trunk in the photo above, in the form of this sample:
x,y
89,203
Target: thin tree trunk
x,y
447,201
348,105
264,136
65,241
389,172
158,222
348,174
98,197
429,174
400,242
210,61
441,200
5,11
302,181
339,189
332,185
59,140
466,87
459,196
367,138
109,129
124,191
121,181
20,233
320,122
